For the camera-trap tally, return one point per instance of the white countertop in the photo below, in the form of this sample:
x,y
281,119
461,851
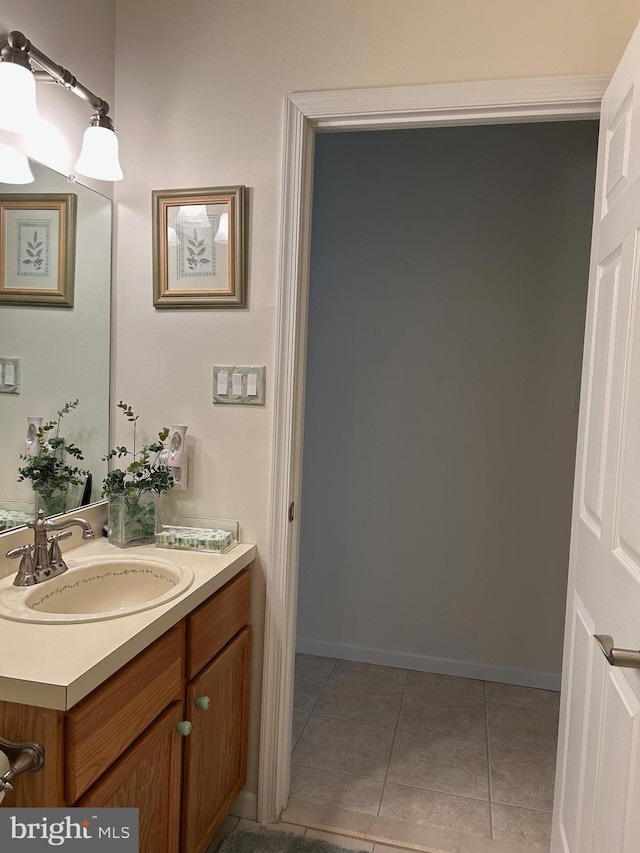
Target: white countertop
x,y
55,666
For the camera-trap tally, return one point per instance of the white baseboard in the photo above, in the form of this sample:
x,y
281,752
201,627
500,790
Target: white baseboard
x,y
245,805
424,663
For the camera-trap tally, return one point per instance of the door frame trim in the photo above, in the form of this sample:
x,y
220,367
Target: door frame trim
x,y
305,114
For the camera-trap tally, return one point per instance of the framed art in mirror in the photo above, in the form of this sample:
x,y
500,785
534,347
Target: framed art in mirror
x,y
38,248
198,248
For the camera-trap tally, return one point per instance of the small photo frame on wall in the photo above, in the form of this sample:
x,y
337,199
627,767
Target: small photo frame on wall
x,y
198,248
38,249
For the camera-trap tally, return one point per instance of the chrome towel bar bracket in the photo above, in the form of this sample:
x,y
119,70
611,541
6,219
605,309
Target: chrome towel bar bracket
x,y
23,756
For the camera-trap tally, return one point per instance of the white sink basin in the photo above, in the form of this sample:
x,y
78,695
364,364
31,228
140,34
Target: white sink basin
x,y
96,589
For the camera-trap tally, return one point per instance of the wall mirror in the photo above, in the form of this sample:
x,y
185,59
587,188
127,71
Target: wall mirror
x,y
53,354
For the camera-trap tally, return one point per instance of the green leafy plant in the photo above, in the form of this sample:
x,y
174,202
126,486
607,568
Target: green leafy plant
x,y
50,472
145,472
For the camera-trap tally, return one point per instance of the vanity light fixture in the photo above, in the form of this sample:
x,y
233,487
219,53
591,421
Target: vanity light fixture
x,y
14,166
99,155
222,234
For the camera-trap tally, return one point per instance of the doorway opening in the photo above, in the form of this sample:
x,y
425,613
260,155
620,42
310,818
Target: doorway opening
x,y
448,282
511,101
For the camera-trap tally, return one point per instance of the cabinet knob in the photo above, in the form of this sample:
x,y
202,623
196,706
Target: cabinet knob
x,y
184,727
203,702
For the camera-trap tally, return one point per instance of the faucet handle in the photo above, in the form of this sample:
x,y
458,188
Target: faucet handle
x,y
55,554
19,552
26,570
56,537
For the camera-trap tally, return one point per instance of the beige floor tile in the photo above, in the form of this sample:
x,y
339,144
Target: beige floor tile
x,y
387,848
377,704
441,764
326,786
450,716
395,833
531,697
314,666
246,823
520,727
306,692
433,808
521,825
521,778
345,747
347,841
299,722
466,688
293,828
371,672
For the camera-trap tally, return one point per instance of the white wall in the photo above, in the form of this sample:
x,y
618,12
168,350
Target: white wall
x,y
200,90
448,286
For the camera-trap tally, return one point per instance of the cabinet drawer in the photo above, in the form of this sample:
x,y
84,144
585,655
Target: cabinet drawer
x,y
216,621
157,756
104,724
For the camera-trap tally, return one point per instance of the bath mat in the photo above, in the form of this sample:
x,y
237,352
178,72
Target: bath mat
x,y
261,840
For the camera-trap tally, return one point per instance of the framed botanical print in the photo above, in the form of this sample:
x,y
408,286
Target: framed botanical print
x,y
198,248
38,248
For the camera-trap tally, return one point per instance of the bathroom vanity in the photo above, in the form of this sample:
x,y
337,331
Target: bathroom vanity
x,y
147,710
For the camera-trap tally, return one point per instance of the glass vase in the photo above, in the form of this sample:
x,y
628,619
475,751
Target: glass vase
x,y
52,504
132,519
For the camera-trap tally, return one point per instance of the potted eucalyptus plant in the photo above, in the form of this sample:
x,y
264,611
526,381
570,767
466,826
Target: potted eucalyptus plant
x,y
133,490
51,472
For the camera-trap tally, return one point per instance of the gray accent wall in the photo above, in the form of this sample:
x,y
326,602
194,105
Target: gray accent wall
x,y
449,273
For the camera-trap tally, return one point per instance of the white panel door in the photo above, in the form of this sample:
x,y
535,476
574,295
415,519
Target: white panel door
x,y
597,798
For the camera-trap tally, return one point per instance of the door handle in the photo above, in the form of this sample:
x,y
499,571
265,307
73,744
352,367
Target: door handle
x,y
618,657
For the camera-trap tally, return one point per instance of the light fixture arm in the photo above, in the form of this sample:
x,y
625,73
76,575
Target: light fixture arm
x,y
20,50
18,110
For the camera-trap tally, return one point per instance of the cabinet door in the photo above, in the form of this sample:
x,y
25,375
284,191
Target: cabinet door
x,y
147,777
216,750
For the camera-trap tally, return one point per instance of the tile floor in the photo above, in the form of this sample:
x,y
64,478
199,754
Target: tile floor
x,y
428,761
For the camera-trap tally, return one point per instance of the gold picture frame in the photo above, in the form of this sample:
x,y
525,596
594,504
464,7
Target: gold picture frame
x,y
198,248
38,249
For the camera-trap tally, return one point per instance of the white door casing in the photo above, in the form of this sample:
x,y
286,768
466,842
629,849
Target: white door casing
x,y
598,773
492,102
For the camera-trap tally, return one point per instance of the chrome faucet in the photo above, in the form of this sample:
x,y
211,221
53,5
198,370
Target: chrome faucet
x,y
43,559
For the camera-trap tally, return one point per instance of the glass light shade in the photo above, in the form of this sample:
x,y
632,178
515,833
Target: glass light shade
x,y
14,166
222,234
18,111
192,214
99,156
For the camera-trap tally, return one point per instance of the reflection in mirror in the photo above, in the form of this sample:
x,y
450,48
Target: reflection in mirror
x,y
51,356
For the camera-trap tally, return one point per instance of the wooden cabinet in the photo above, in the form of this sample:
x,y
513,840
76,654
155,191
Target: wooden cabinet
x,y
215,751
120,746
101,727
148,777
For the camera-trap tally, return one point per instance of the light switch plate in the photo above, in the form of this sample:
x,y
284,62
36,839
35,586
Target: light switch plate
x,y
244,398
13,387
